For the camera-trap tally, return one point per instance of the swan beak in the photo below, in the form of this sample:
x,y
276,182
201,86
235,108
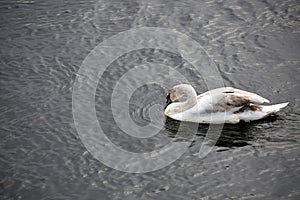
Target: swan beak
x,y
169,101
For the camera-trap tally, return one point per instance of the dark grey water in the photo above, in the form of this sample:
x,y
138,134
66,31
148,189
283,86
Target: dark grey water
x,y
255,44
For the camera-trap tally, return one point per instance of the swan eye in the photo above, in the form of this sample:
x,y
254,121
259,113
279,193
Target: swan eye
x,y
171,91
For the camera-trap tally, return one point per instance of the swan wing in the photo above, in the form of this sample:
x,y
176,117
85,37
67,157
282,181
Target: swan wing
x,y
228,98
251,97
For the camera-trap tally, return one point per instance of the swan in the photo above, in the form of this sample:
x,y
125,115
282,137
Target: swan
x,y
221,105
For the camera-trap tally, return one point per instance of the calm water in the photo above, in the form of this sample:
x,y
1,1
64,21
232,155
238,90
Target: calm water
x,y
255,45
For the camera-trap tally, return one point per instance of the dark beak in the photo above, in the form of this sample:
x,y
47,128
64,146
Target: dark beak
x,y
169,101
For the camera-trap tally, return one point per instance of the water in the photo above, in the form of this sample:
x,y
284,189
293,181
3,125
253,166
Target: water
x,y
255,45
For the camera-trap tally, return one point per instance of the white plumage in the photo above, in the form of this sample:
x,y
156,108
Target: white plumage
x,y
222,105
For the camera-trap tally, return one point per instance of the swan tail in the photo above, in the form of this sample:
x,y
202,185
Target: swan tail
x,y
274,108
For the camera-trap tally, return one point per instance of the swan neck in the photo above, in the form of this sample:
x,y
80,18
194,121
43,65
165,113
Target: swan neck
x,y
178,107
191,100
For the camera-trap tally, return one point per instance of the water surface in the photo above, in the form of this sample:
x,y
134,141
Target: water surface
x,y
255,45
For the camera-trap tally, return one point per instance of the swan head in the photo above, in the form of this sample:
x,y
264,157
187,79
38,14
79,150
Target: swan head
x,y
179,91
175,93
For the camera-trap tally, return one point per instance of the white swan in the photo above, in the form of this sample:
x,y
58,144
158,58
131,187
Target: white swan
x,y
220,105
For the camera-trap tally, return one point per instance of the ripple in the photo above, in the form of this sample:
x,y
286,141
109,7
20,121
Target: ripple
x,y
43,43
